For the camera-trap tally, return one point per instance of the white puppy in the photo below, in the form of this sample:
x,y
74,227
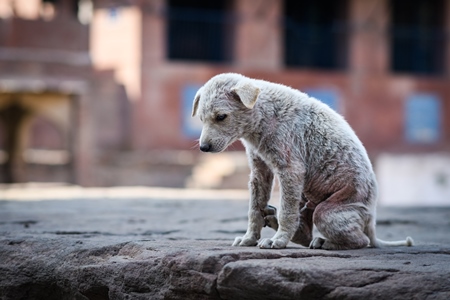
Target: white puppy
x,y
325,175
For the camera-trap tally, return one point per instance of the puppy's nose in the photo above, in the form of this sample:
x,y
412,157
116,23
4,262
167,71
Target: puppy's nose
x,y
205,147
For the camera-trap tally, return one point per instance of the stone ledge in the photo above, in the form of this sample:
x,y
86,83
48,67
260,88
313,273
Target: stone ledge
x,y
180,249
67,268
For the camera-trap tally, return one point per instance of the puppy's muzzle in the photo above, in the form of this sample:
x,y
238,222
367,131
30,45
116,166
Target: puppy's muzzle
x,y
206,147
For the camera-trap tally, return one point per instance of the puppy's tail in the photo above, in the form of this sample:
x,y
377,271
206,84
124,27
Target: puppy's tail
x,y
377,243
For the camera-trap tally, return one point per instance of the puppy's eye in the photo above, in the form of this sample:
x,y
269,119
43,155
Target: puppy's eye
x,y
221,117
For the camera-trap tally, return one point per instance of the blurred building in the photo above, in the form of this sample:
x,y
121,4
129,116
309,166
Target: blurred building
x,y
56,111
383,64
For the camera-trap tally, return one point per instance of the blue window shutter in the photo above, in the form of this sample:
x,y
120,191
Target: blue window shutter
x,y
192,127
422,118
327,96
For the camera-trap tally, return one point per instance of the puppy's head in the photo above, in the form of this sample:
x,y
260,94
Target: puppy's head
x,y
224,105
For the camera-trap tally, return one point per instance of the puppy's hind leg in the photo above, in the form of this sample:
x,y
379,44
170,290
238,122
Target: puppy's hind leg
x,y
270,217
341,225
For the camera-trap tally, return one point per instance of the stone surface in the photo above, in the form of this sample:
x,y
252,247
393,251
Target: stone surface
x,y
154,248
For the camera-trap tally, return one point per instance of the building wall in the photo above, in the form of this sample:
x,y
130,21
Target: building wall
x,y
369,95
67,111
115,39
406,179
124,92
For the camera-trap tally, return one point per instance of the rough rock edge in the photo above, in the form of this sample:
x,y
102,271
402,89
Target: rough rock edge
x,y
33,269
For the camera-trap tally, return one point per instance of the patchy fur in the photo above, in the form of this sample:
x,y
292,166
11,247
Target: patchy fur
x,y
325,175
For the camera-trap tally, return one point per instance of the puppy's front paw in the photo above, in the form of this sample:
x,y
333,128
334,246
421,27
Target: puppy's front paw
x,y
244,241
317,243
265,244
272,244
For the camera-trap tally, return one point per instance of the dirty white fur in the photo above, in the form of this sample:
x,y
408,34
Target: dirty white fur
x,y
325,175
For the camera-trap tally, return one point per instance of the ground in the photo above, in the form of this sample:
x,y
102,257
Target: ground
x,y
143,243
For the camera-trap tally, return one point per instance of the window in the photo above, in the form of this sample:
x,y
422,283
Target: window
x,y
423,119
315,34
417,36
327,96
192,127
199,30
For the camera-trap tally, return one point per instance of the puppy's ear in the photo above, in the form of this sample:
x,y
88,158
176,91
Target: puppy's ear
x,y
247,93
196,100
